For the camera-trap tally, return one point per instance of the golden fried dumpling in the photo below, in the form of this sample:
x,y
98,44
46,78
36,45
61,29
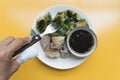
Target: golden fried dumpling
x,y
82,23
58,40
45,41
51,53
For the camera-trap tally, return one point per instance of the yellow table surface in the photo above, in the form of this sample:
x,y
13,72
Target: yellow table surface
x,y
17,16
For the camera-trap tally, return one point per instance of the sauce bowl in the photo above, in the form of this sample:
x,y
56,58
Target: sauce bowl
x,y
81,41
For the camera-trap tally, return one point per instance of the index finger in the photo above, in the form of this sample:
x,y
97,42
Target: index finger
x,y
7,41
16,44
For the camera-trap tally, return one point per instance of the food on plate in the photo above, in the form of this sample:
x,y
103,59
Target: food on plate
x,y
50,52
64,51
67,20
42,22
54,44
81,22
45,41
58,40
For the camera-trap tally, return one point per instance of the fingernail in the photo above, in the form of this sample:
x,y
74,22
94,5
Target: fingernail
x,y
30,38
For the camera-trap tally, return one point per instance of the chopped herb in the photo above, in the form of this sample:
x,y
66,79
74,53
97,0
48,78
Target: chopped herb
x,y
66,20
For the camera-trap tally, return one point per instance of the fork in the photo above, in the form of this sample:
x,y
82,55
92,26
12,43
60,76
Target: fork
x,y
49,29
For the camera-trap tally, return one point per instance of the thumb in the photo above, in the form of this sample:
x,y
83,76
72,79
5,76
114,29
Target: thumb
x,y
15,66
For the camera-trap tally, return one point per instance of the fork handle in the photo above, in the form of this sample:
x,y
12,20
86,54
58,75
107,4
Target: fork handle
x,y
35,39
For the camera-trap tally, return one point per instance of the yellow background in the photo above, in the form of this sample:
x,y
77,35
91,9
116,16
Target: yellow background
x,y
17,16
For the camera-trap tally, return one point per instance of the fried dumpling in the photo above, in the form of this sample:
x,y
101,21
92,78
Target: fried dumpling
x,y
58,40
51,53
64,52
45,41
82,23
43,22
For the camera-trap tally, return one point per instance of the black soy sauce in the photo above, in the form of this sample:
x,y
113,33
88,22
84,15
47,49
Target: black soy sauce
x,y
81,41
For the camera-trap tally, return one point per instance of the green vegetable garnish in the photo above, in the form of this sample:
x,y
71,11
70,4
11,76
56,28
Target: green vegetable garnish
x,y
69,14
48,18
66,20
41,25
43,22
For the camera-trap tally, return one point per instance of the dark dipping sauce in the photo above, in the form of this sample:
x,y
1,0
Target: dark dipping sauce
x,y
81,41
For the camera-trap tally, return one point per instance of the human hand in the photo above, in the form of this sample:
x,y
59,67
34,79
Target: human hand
x,y
8,46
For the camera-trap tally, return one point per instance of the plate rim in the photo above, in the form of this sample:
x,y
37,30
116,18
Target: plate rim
x,y
70,6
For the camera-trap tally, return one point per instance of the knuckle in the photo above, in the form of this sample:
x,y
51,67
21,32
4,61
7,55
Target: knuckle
x,y
19,40
11,38
4,54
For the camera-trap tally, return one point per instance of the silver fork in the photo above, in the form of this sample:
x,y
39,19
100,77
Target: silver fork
x,y
50,29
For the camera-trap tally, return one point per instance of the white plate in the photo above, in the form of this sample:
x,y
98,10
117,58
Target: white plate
x,y
60,63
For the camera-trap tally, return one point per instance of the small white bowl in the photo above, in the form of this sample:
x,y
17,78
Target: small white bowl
x,y
92,48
